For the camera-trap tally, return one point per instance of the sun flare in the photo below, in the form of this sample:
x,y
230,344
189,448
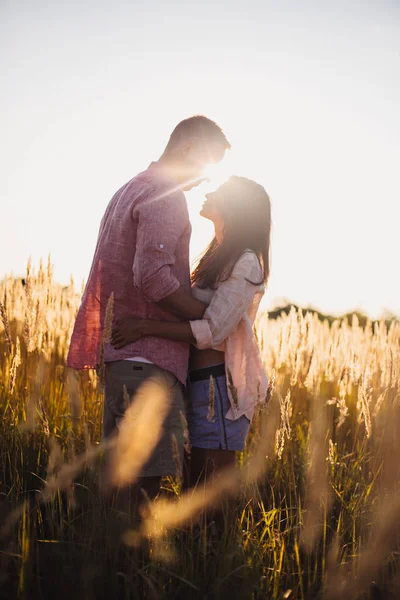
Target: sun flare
x,y
218,173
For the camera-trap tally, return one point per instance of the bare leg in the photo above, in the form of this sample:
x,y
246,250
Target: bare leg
x,y
203,466
206,464
130,499
151,485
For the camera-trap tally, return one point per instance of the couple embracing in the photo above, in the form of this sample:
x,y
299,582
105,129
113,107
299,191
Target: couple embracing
x,y
193,329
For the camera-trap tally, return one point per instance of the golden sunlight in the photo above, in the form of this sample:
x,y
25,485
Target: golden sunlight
x,y
218,173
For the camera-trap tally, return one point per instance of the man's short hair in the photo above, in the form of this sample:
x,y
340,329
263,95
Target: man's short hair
x,y
201,128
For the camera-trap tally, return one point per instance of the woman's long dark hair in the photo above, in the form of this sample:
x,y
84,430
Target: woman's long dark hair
x,y
245,208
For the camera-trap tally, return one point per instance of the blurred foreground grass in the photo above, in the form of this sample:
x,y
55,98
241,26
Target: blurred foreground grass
x,y
318,519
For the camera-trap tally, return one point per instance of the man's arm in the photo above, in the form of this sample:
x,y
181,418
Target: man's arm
x,y
227,307
161,222
183,305
128,331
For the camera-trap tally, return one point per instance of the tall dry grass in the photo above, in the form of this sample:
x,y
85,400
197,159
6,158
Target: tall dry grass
x,y
311,511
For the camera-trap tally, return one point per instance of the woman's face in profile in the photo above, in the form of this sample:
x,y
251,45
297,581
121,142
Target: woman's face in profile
x,y
211,208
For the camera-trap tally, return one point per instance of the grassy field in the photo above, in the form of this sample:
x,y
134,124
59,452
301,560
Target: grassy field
x,y
316,503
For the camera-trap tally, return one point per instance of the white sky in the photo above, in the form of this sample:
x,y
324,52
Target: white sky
x,y
307,92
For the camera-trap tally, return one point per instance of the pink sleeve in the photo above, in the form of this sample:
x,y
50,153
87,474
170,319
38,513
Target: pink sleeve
x,y
162,220
202,333
229,304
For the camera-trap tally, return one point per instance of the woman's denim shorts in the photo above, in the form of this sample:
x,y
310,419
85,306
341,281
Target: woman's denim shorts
x,y
216,432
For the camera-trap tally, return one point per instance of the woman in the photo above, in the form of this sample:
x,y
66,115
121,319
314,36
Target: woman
x,y
226,376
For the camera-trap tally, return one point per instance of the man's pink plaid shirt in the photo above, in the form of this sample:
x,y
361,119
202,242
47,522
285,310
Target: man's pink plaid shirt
x,y
142,256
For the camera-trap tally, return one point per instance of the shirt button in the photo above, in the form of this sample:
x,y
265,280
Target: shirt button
x,y
161,246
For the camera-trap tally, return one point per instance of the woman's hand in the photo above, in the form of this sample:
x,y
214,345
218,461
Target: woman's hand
x,y
127,331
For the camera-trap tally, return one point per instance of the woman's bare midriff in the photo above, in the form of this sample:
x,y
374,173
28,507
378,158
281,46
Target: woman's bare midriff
x,y
199,359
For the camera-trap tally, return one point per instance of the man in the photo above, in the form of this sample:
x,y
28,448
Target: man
x,y
142,258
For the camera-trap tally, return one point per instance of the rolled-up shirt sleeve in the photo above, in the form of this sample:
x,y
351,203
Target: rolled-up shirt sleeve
x,y
162,220
229,304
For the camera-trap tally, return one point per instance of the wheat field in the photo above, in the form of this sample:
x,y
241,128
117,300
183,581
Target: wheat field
x,y
316,497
